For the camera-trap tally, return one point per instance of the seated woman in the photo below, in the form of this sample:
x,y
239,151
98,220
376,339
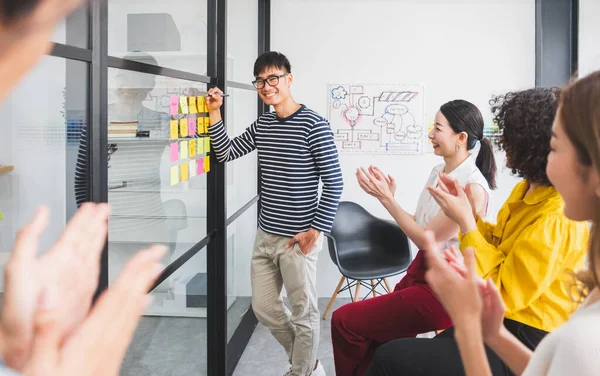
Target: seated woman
x,y
529,255
358,328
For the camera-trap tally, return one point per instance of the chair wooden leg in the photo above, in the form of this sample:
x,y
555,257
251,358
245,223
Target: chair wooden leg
x,y
373,287
357,290
387,285
335,293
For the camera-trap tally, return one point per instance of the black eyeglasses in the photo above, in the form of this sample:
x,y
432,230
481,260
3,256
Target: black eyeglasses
x,y
271,80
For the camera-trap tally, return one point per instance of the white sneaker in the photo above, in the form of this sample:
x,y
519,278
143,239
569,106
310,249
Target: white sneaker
x,y
319,371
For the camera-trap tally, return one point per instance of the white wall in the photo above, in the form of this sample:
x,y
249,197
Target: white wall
x,y
457,48
589,36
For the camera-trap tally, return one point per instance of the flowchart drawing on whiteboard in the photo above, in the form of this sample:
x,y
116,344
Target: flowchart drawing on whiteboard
x,y
377,119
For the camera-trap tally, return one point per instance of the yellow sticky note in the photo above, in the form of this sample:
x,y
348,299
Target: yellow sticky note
x,y
207,144
199,125
202,104
206,124
192,147
207,163
183,105
174,175
184,172
193,108
174,130
199,146
183,127
183,150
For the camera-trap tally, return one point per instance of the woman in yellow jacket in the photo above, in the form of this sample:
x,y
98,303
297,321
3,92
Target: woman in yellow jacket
x,y
531,254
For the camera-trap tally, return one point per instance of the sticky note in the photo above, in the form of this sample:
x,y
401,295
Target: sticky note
x,y
174,130
174,105
193,108
174,151
174,175
185,174
207,163
200,166
207,144
191,126
183,150
192,148
183,127
201,102
199,146
206,124
193,168
200,125
183,105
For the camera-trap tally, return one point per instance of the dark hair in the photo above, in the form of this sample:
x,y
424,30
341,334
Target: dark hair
x,y
271,59
11,10
524,121
580,116
465,117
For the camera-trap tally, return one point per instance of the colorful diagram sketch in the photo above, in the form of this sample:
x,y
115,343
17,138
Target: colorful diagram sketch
x,y
377,119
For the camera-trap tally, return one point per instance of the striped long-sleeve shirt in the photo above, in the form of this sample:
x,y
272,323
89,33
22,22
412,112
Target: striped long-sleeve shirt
x,y
294,153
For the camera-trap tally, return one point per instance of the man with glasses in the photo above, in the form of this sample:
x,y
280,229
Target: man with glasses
x,y
296,150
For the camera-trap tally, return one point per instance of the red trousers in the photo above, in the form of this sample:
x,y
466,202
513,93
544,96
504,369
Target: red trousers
x,y
357,329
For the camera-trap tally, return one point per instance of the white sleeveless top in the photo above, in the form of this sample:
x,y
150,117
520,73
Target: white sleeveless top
x,y
466,173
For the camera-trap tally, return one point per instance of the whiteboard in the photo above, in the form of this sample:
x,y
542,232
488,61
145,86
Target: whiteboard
x,y
377,118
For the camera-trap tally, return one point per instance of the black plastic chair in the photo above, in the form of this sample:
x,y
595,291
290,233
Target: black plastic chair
x,y
365,248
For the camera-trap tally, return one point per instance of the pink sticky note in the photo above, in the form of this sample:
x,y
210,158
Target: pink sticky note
x,y
200,162
174,105
174,151
191,125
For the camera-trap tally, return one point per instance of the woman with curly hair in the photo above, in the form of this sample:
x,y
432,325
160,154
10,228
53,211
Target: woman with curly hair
x,y
530,255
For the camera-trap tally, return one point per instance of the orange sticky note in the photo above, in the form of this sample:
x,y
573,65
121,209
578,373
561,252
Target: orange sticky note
x,y
193,108
183,127
207,144
183,105
184,172
174,130
207,163
174,175
192,147
201,104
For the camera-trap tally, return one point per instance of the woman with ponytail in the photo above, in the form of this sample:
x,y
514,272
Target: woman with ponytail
x,y
412,308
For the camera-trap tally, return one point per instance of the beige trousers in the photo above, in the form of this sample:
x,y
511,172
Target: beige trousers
x,y
274,266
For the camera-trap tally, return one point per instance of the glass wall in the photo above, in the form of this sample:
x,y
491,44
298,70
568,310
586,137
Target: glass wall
x,y
41,123
136,71
174,32
242,177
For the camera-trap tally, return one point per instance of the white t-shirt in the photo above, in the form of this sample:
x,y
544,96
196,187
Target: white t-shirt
x,y
466,173
572,349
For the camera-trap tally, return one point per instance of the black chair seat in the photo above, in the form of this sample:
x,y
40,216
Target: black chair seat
x,y
366,247
365,266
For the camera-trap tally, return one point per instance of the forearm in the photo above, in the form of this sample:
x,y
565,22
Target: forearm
x,y
328,204
215,117
406,222
512,352
472,350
